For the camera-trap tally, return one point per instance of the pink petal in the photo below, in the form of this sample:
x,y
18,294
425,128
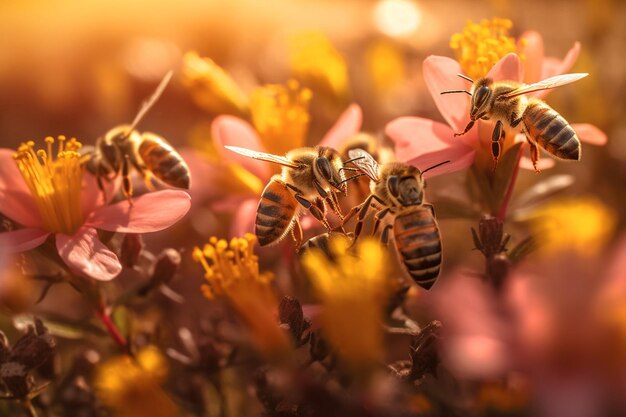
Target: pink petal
x,y
508,68
590,134
91,196
424,143
10,176
555,66
233,131
533,53
22,240
348,124
543,163
244,218
440,74
200,167
150,212
20,207
86,255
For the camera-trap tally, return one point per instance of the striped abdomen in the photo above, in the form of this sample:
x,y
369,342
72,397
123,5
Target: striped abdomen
x,y
163,161
275,213
418,242
551,131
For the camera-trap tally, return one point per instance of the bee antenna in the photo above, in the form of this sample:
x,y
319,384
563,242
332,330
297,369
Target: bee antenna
x,y
348,169
434,166
147,104
351,178
456,91
465,77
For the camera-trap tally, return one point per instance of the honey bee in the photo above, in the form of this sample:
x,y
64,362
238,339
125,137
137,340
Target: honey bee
x,y
504,101
151,155
309,179
398,189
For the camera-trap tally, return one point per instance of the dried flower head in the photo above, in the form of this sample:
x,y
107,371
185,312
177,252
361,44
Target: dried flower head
x,y
353,288
280,113
232,273
481,45
211,87
54,182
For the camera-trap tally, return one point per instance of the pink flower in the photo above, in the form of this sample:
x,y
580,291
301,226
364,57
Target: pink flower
x,y
44,212
423,142
233,131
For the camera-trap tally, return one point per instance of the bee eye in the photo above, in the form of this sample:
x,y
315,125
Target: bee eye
x,y
392,183
324,167
481,95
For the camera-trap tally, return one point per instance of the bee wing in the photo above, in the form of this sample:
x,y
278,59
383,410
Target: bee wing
x,y
276,159
365,162
546,84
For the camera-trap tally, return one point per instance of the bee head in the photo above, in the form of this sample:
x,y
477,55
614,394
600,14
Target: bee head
x,y
406,186
481,91
328,168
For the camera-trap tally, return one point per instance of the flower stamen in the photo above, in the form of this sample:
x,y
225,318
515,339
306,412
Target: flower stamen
x,y
481,45
54,182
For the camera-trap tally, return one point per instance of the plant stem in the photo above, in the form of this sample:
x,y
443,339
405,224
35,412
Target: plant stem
x,y
504,205
29,408
111,328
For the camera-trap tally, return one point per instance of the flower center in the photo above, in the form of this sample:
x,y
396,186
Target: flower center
x,y
481,45
54,182
280,114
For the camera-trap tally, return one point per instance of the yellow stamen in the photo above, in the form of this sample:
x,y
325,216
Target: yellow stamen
x,y
211,87
232,273
583,225
315,61
481,45
353,286
280,114
54,182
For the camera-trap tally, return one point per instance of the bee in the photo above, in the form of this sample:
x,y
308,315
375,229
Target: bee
x,y
309,180
150,154
398,189
506,103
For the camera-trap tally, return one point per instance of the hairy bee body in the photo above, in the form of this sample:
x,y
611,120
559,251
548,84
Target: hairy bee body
x,y
418,242
506,103
275,213
550,130
160,158
398,190
308,180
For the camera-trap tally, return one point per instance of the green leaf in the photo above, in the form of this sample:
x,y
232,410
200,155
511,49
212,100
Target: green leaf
x,y
59,326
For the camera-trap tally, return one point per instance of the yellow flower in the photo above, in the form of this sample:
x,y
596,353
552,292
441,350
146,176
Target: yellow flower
x,y
353,286
280,113
131,386
54,182
232,273
317,63
583,225
481,45
385,65
211,87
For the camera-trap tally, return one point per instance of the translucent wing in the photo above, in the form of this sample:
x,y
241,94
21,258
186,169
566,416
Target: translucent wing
x,y
281,160
365,162
546,84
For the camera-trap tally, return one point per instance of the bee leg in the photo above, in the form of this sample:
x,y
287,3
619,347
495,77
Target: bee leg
x,y
496,143
333,201
534,155
429,207
467,128
296,234
379,217
363,212
313,208
384,236
353,211
127,185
